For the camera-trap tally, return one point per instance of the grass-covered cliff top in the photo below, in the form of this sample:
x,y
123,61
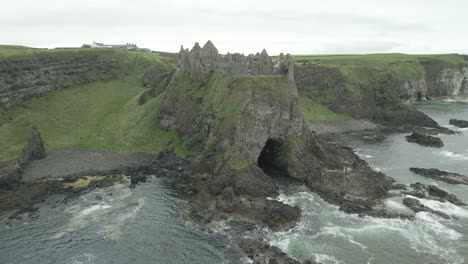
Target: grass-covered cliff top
x,y
379,60
404,66
100,115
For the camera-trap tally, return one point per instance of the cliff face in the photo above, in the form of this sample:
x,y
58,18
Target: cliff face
x,y
450,82
379,92
248,129
363,93
26,77
10,172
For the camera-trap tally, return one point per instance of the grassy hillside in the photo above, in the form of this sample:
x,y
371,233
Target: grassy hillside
x,y
313,111
100,115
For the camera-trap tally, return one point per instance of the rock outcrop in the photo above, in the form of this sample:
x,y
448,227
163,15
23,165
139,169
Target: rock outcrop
x,y
261,252
425,140
459,123
448,177
32,76
207,59
416,206
247,129
432,192
451,82
10,172
365,94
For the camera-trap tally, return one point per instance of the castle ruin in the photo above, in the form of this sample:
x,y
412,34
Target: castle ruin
x,y
207,59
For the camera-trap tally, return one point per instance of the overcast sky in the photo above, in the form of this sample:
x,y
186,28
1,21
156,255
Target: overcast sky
x,y
290,26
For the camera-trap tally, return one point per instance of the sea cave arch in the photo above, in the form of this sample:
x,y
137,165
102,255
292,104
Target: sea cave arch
x,y
273,158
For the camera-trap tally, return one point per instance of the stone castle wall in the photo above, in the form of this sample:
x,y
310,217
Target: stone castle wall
x,y
207,59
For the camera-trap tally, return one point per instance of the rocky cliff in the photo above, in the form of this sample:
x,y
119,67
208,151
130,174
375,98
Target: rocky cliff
x,y
247,129
378,88
448,82
25,77
10,172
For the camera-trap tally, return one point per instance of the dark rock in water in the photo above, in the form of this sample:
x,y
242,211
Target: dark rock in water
x,y
432,192
417,207
459,123
448,177
261,252
425,140
136,178
277,214
437,192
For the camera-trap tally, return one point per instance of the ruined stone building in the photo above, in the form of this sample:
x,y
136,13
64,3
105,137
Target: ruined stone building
x,y
207,59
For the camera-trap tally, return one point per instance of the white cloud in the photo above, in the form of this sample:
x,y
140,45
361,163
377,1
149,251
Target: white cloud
x,y
295,26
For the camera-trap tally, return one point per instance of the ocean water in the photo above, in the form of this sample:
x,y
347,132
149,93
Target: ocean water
x,y
144,225
114,225
330,236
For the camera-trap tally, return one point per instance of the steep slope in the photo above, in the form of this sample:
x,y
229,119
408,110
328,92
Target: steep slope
x,y
248,129
100,114
376,86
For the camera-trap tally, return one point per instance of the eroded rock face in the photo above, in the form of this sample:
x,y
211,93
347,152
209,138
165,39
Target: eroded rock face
x,y
425,140
459,123
34,150
10,172
448,177
451,82
23,78
245,127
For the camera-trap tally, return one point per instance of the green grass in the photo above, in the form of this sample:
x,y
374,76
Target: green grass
x,y
313,111
377,60
100,115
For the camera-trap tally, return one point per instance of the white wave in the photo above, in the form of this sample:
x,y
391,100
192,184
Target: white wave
x,y
327,259
427,234
362,155
85,258
94,208
453,155
336,232
455,100
446,207
396,206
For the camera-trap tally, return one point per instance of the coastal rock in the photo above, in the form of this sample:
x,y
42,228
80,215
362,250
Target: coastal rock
x,y
11,172
278,215
249,130
459,123
448,177
261,252
432,192
425,140
417,207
